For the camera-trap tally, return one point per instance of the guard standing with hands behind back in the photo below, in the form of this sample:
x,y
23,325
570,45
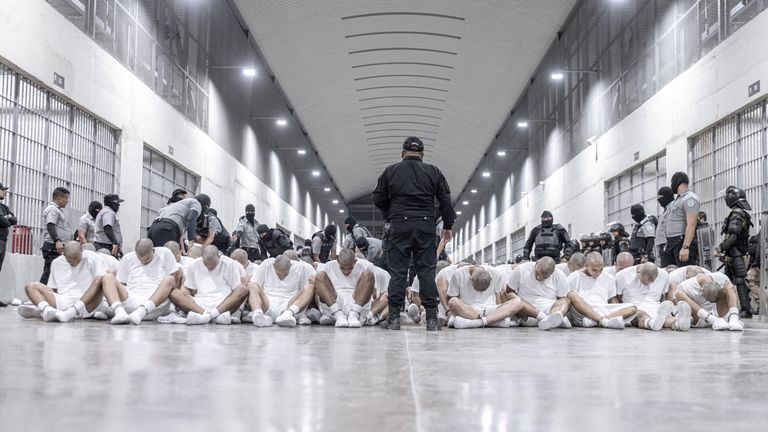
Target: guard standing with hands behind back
x,y
405,194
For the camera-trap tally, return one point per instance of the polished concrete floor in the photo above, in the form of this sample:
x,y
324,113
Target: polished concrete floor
x,y
90,376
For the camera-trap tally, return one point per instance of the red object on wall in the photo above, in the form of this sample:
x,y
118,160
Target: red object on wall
x,y
21,240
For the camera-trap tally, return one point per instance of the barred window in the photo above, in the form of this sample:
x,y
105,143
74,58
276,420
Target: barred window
x,y
638,185
488,254
500,251
732,152
517,242
160,177
45,143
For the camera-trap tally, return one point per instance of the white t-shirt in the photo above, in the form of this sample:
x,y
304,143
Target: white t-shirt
x,y
213,286
382,277
73,281
610,270
631,290
460,286
444,274
141,279
692,289
678,275
523,281
345,283
563,267
110,262
595,291
283,289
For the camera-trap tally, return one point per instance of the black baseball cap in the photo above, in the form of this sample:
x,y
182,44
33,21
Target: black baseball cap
x,y
413,144
3,187
112,198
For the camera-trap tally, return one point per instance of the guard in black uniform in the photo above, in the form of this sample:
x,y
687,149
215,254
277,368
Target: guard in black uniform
x,y
733,250
549,238
272,241
405,194
643,235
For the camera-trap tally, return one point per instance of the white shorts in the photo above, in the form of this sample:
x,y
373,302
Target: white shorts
x,y
484,309
277,305
577,318
345,302
543,305
208,303
64,302
651,309
133,302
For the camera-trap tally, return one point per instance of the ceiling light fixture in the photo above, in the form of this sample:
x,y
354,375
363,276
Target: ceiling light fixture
x,y
327,189
486,174
465,202
281,122
301,151
474,191
249,72
335,201
557,76
316,173
522,124
501,153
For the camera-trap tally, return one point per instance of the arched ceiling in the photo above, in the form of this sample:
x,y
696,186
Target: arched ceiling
x,y
363,75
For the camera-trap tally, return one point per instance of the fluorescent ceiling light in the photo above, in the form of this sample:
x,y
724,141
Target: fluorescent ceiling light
x,y
501,153
486,174
474,191
335,201
316,173
249,72
327,189
282,122
522,124
301,152
465,202
557,76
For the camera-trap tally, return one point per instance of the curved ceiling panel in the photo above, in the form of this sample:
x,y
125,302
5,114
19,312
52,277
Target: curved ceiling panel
x,y
362,76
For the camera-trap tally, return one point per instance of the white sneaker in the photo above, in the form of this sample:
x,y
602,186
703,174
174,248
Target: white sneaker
x,y
325,320
66,315
286,319
15,302
49,314
236,317
464,323
224,318
616,323
302,319
121,317
505,323
194,318
413,313
314,315
136,316
588,323
353,321
262,320
720,324
28,311
172,318
662,313
341,321
530,322
551,321
735,324
451,321
683,316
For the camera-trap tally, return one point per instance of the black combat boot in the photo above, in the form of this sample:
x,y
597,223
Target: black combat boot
x,y
744,301
433,324
393,319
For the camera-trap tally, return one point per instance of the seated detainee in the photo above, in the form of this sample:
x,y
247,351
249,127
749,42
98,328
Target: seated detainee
x,y
213,289
644,286
345,288
575,263
443,272
593,297
280,290
474,294
713,301
143,283
241,256
379,307
74,287
623,260
545,288
678,275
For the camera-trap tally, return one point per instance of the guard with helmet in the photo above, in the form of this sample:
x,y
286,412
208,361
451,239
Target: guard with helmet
x,y
735,245
550,238
643,235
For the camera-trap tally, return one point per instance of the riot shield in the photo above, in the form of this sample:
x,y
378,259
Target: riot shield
x,y
706,240
762,250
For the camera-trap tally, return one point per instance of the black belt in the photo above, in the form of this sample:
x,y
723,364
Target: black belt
x,y
415,218
166,220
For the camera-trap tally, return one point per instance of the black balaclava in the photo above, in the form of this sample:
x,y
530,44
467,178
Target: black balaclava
x,y
262,229
362,243
250,212
330,232
204,200
114,205
665,196
638,212
94,208
678,178
546,219
350,222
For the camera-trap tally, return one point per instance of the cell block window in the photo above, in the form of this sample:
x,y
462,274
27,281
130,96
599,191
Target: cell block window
x,y
160,177
500,254
637,185
517,243
732,152
45,143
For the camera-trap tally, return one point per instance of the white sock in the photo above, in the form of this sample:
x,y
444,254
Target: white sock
x,y
258,312
728,314
332,309
294,309
213,313
485,321
541,316
648,323
675,326
80,308
603,322
357,308
149,306
42,305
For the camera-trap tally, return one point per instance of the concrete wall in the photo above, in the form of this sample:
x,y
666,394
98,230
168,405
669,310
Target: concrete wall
x,y
712,89
39,41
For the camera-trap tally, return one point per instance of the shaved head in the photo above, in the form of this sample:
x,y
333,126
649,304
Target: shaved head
x,y
346,257
647,272
481,279
544,268
173,247
195,251
711,289
73,253
624,260
144,248
240,256
282,263
577,261
693,271
211,257
593,264
291,254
